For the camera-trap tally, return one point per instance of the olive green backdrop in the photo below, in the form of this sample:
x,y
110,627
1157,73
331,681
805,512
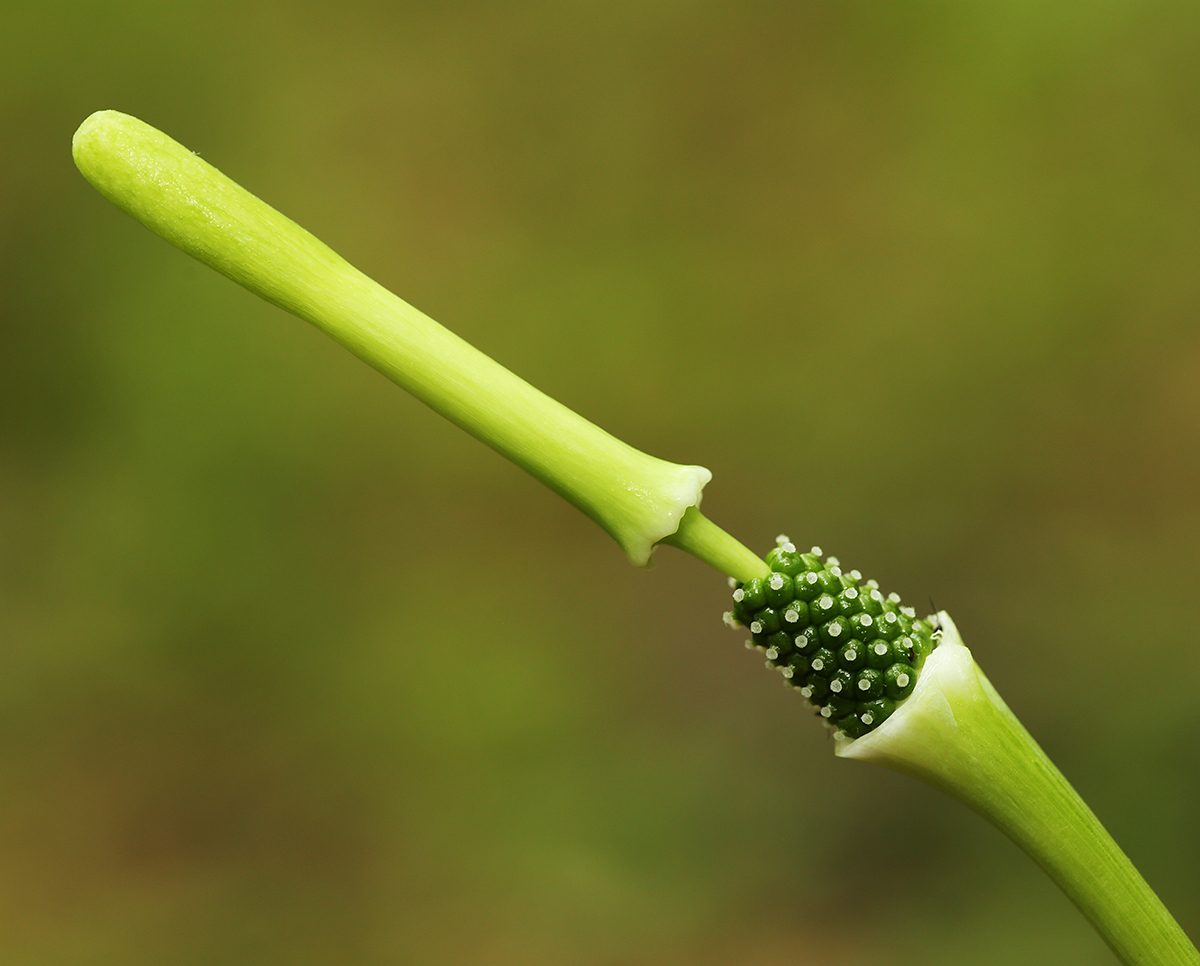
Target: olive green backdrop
x,y
293,672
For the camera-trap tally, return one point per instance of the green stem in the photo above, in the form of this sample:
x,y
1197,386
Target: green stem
x,y
956,733
702,538
637,498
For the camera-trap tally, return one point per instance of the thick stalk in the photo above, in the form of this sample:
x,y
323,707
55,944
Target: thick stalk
x,y
637,498
956,733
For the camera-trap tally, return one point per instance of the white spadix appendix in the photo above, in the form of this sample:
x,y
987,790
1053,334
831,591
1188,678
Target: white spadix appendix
x,y
901,691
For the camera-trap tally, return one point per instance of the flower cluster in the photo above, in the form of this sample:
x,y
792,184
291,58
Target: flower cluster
x,y
852,652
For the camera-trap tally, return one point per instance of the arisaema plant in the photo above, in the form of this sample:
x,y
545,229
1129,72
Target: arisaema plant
x,y
895,688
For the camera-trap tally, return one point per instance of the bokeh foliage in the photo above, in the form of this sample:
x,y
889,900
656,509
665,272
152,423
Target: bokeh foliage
x,y
293,672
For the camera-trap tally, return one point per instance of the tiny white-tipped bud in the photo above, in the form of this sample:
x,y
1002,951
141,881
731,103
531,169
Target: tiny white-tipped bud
x,y
731,581
756,627
775,581
835,686
880,648
833,561
781,540
787,672
856,575
835,570
772,653
818,664
835,629
864,685
902,680
873,584
851,593
827,712
909,612
867,718
816,551
894,597
806,691
739,595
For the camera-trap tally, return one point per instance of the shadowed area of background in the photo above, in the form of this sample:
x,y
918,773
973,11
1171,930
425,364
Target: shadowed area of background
x,y
294,672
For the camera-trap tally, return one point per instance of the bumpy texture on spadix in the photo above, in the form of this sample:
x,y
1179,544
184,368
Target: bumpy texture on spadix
x,y
852,652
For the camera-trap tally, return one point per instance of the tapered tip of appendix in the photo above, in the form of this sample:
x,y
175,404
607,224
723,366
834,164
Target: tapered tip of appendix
x,y
97,120
104,128
94,129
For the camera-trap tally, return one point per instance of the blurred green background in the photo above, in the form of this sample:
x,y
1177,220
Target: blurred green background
x,y
294,672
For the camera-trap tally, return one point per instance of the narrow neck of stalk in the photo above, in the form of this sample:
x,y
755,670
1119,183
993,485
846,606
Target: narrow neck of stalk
x,y
956,733
638,499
